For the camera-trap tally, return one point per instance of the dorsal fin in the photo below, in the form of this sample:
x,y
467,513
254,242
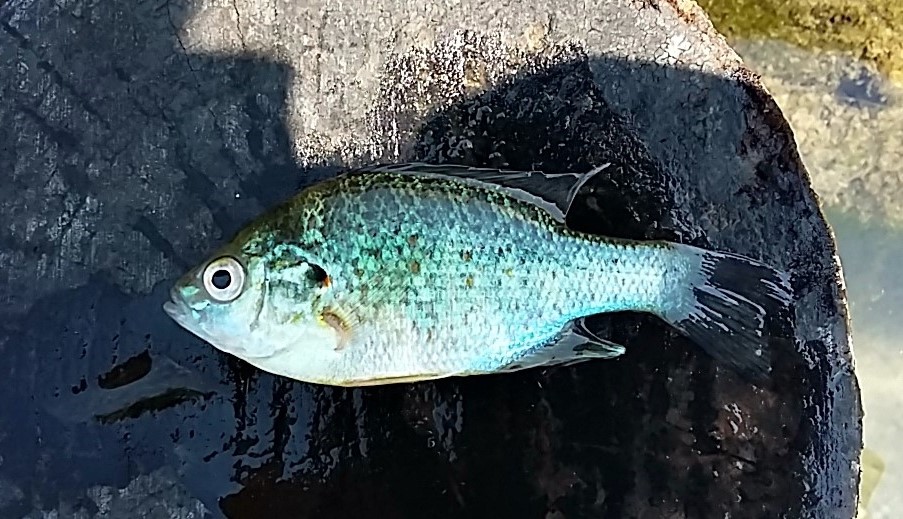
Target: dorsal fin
x,y
554,192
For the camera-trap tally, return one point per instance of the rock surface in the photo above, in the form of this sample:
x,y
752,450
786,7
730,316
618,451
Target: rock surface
x,y
848,122
847,119
141,135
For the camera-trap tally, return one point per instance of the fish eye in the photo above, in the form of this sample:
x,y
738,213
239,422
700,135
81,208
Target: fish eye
x,y
224,279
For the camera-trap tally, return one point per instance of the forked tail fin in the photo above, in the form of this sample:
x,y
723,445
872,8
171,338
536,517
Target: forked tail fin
x,y
724,308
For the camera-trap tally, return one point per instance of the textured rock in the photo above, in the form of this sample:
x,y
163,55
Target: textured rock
x,y
847,120
157,495
141,135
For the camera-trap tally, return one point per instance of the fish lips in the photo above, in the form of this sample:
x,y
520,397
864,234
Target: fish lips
x,y
181,311
189,315
177,308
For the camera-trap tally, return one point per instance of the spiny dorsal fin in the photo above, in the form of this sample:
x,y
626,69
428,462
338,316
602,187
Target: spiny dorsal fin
x,y
554,192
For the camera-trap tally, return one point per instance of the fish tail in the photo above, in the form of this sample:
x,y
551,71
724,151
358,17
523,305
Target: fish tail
x,y
723,306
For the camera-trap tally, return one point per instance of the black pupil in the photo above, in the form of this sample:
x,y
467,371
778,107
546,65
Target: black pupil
x,y
318,274
221,279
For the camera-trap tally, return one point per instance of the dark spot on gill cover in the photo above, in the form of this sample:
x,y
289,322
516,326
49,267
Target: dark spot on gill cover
x,y
127,372
318,274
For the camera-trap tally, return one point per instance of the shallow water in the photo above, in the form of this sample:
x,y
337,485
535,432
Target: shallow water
x,y
871,254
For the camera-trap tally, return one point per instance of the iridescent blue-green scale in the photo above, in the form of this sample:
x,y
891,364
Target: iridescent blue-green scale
x,y
445,278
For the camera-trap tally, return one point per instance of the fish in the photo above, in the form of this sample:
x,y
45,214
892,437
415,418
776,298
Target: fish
x,y
402,273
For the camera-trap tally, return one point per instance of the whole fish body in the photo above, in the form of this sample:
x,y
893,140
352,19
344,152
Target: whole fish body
x,y
414,272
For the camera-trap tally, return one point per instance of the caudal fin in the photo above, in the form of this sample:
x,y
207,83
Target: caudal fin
x,y
725,305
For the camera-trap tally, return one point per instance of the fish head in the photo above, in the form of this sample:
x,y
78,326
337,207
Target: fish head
x,y
259,308
218,301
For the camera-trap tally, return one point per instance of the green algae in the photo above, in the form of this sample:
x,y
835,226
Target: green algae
x,y
869,29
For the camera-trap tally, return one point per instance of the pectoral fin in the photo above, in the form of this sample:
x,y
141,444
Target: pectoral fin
x,y
574,344
343,324
348,308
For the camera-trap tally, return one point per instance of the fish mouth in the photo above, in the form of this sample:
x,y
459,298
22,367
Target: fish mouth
x,y
176,307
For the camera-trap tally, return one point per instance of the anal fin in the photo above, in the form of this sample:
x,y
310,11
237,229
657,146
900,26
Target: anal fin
x,y
575,343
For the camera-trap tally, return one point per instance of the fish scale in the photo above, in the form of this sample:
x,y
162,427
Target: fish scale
x,y
525,278
413,272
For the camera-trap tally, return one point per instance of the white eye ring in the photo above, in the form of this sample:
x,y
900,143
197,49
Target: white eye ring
x,y
224,279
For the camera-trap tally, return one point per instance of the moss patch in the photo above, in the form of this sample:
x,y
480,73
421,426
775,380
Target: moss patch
x,y
870,29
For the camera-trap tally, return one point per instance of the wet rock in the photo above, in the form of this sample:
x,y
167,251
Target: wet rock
x,y
852,148
157,495
10,494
